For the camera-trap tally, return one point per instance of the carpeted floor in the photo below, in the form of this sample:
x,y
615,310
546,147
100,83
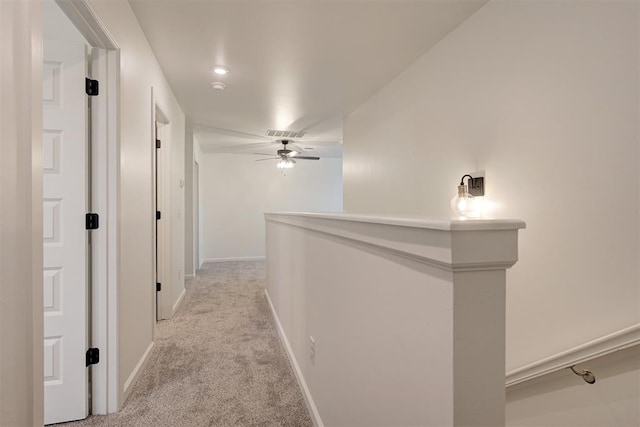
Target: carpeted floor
x,y
218,362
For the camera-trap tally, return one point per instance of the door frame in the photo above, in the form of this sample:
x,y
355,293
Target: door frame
x,y
161,200
105,194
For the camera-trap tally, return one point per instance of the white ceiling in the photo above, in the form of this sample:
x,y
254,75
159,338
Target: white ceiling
x,y
295,65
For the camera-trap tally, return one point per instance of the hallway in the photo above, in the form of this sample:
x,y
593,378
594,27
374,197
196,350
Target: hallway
x,y
218,362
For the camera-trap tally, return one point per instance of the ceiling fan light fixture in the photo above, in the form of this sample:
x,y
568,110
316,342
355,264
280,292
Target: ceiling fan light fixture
x,y
220,70
285,164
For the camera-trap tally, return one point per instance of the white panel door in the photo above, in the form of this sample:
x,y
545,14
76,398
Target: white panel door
x,y
65,238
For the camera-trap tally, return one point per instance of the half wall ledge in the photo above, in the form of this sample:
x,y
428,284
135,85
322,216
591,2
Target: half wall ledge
x,y
455,245
393,320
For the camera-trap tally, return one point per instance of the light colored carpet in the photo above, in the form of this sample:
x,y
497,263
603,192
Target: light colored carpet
x,y
218,362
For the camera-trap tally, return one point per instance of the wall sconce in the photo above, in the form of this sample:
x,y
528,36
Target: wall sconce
x,y
467,204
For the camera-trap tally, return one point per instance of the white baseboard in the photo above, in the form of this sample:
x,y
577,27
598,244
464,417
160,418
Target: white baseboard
x,y
619,340
313,410
139,368
178,302
248,258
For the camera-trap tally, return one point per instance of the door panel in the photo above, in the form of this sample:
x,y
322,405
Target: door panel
x,y
65,238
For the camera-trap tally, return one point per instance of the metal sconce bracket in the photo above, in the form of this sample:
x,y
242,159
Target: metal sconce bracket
x,y
475,185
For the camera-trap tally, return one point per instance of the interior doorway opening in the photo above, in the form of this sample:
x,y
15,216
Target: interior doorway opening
x,y
162,213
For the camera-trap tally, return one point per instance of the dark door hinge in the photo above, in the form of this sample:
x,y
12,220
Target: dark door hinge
x,y
158,143
92,221
158,215
93,356
158,287
91,87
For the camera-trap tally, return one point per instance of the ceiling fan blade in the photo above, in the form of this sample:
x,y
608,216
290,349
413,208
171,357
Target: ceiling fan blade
x,y
295,147
262,160
262,154
307,158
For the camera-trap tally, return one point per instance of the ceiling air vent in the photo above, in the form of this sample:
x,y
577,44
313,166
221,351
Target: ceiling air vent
x,y
284,133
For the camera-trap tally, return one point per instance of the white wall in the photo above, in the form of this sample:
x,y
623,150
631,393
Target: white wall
x,y
189,241
236,190
564,399
177,190
193,154
198,243
139,73
21,314
543,96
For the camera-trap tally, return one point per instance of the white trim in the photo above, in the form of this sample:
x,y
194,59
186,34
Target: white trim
x,y
247,258
99,237
179,301
454,249
87,21
113,233
417,221
189,276
157,260
619,340
313,410
105,149
142,363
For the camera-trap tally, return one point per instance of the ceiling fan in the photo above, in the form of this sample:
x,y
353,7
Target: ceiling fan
x,y
285,156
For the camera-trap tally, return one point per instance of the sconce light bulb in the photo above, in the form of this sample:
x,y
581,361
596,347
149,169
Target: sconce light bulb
x,y
464,204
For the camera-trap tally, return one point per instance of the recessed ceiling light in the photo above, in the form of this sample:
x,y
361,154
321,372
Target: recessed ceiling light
x,y
218,86
220,70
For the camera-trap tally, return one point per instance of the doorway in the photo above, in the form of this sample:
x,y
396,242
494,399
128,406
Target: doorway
x,y
96,292
163,215
159,235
